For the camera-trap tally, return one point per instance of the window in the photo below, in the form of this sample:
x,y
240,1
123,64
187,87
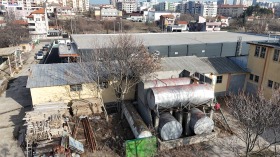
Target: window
x,y
76,87
37,19
257,51
256,78
276,55
270,83
103,85
262,55
276,85
219,79
251,77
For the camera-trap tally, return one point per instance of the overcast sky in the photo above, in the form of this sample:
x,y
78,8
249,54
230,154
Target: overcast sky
x,y
107,1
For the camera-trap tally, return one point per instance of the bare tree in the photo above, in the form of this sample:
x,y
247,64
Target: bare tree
x,y
14,32
186,17
256,115
125,61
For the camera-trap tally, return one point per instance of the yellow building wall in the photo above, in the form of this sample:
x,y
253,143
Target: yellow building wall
x,y
269,72
255,64
272,72
63,93
108,95
219,87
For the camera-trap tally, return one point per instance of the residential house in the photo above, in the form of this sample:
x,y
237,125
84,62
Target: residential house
x,y
153,16
264,67
183,24
224,20
166,20
213,26
135,17
231,10
38,24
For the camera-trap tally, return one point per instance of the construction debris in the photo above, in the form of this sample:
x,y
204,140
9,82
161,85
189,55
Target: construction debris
x,y
45,122
87,107
89,134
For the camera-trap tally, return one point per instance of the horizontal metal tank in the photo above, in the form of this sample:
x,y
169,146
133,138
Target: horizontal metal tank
x,y
200,123
143,87
167,82
137,125
175,96
169,127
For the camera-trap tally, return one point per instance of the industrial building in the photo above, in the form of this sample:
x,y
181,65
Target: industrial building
x,y
201,44
264,67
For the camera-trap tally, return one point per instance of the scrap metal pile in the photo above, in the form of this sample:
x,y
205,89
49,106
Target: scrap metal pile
x,y
45,122
48,129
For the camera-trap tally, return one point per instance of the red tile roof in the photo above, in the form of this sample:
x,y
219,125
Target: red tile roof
x,y
20,22
39,11
182,22
167,16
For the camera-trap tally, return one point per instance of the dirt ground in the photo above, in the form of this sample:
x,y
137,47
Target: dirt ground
x,y
13,104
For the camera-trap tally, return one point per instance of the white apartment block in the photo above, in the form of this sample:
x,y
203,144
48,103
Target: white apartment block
x,y
209,9
231,10
38,24
127,5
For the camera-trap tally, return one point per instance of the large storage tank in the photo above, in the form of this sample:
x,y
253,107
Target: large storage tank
x,y
200,123
143,87
169,127
175,96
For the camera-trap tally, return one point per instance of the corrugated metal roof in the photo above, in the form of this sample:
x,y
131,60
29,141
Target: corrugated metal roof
x,y
46,75
64,51
189,63
91,41
222,65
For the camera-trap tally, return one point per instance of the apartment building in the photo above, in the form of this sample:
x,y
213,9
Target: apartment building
x,y
209,9
264,67
38,24
231,10
128,6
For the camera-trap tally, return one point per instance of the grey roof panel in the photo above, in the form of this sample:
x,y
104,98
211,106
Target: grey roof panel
x,y
90,41
189,63
222,65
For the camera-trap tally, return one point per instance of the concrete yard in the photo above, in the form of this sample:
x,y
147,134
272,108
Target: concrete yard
x,y
13,104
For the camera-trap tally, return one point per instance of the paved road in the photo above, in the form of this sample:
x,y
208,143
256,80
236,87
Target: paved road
x,y
13,104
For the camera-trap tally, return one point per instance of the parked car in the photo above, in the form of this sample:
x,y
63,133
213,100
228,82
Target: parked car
x,y
40,55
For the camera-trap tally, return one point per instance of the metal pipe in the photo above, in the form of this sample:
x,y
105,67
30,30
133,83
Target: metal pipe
x,y
138,127
175,96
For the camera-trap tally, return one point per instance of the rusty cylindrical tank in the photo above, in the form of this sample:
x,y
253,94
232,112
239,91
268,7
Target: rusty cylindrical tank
x,y
175,96
200,123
